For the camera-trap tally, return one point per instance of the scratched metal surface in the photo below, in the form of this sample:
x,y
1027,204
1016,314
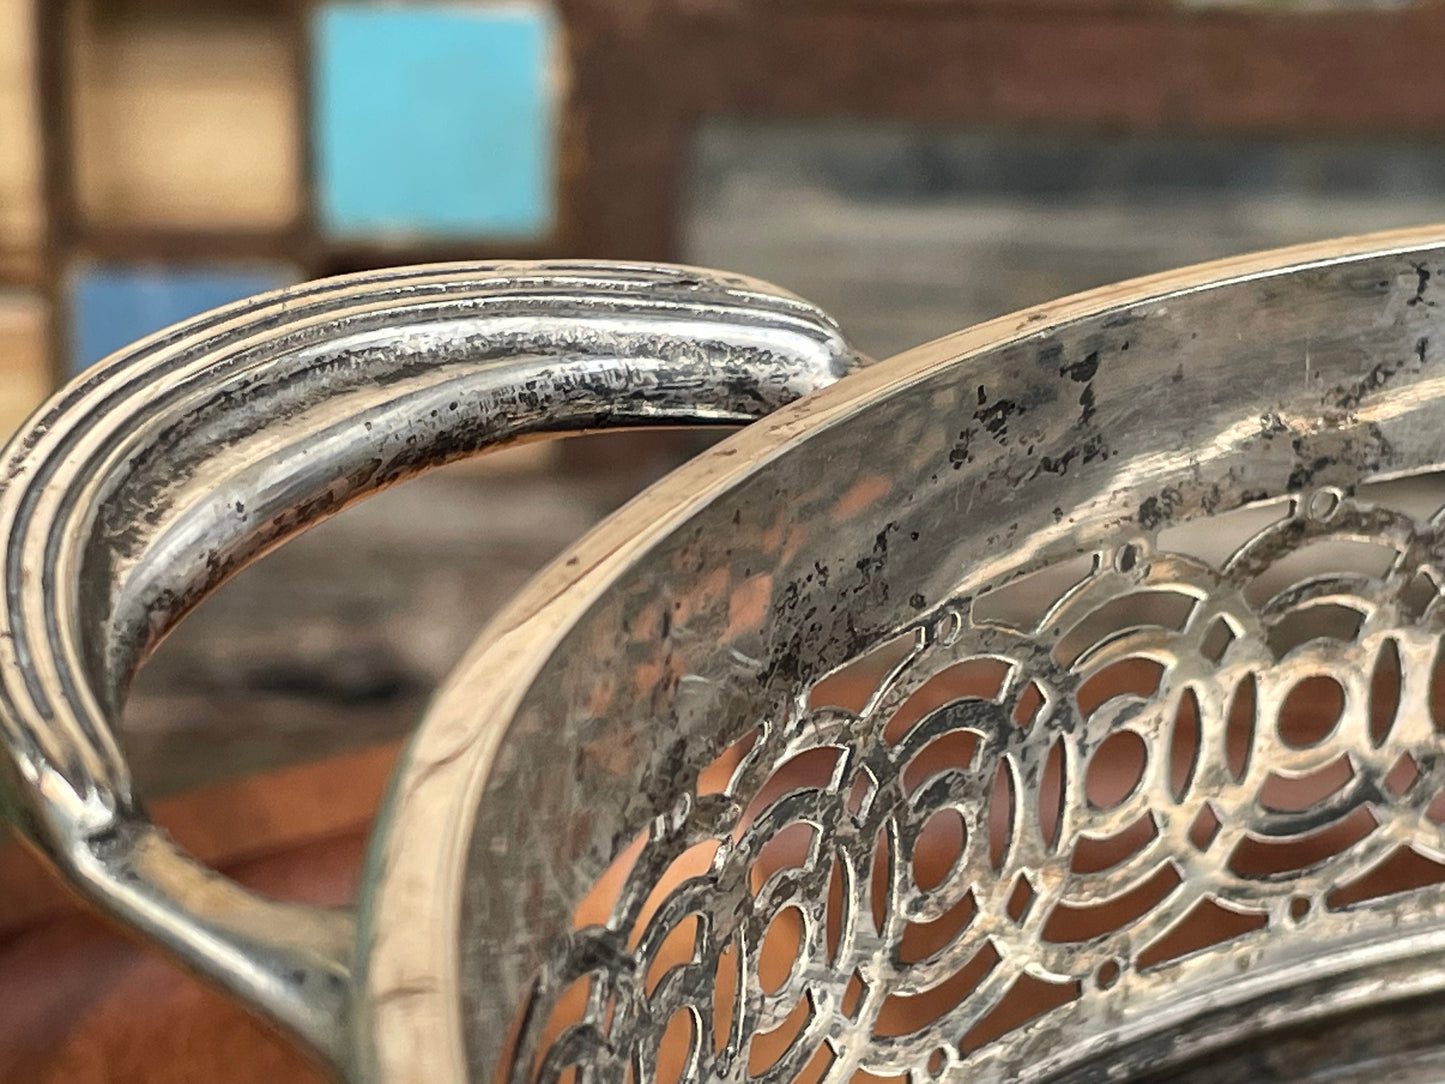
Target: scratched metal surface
x,y
661,695
151,478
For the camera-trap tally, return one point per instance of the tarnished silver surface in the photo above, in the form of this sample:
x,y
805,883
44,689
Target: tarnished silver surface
x,y
157,474
648,771
1057,701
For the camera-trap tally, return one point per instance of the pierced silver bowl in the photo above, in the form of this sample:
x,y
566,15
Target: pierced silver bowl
x,y
1056,701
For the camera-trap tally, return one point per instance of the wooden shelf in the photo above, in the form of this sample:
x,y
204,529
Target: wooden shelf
x,y
186,117
22,213
25,369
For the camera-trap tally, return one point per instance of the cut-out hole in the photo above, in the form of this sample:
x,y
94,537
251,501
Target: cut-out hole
x,y
1257,857
1418,496
1401,776
1214,539
1437,690
1320,621
850,686
1239,729
1419,593
1311,711
1205,827
1129,677
1001,816
1095,854
690,863
1022,603
714,779
1116,769
1026,999
1285,794
1317,560
678,947
1205,925
938,848
1127,557
594,908
1051,795
1404,869
1030,702
853,995
1384,693
937,1062
1217,640
780,949
1020,898
860,792
1184,738
880,883
1299,909
725,993
766,1047
812,768
817,1067
1323,504
1070,923
972,679
789,848
921,940
1152,608
863,1076
1107,975
955,749
903,1014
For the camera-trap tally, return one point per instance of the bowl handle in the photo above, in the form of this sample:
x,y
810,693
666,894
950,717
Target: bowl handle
x,y
160,472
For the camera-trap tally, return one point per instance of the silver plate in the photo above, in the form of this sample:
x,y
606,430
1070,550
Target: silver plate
x,y
1056,701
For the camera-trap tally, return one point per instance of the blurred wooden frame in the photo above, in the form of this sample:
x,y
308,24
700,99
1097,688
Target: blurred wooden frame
x,y
644,74
640,75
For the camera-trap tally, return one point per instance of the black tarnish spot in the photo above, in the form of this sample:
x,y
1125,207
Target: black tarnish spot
x,y
995,418
1422,283
1082,371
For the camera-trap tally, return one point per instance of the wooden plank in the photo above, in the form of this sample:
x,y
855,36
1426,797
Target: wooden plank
x,y
84,1004
22,212
24,358
226,823
642,86
186,117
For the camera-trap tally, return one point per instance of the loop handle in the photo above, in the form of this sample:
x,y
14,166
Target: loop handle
x,y
155,476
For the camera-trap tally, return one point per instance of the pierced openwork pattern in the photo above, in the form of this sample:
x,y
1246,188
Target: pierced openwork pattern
x,y
1036,798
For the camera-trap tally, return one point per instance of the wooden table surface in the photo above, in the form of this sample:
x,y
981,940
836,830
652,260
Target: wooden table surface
x,y
85,1004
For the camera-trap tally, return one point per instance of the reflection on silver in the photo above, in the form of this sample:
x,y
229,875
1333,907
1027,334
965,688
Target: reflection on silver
x,y
1056,701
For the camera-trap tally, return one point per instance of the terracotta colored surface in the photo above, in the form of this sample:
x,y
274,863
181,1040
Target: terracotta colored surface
x,y
84,1005
225,824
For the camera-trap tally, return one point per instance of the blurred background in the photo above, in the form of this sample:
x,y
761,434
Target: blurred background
x,y
914,166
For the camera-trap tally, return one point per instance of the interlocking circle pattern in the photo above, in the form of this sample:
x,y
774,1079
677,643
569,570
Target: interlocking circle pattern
x,y
1000,816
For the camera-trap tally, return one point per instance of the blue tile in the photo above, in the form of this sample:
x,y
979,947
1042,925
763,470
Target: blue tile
x,y
112,306
433,119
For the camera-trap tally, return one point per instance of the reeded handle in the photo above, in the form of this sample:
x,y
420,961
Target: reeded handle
x,y
152,478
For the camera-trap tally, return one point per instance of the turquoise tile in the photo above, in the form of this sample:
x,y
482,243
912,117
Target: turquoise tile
x,y
433,119
113,305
